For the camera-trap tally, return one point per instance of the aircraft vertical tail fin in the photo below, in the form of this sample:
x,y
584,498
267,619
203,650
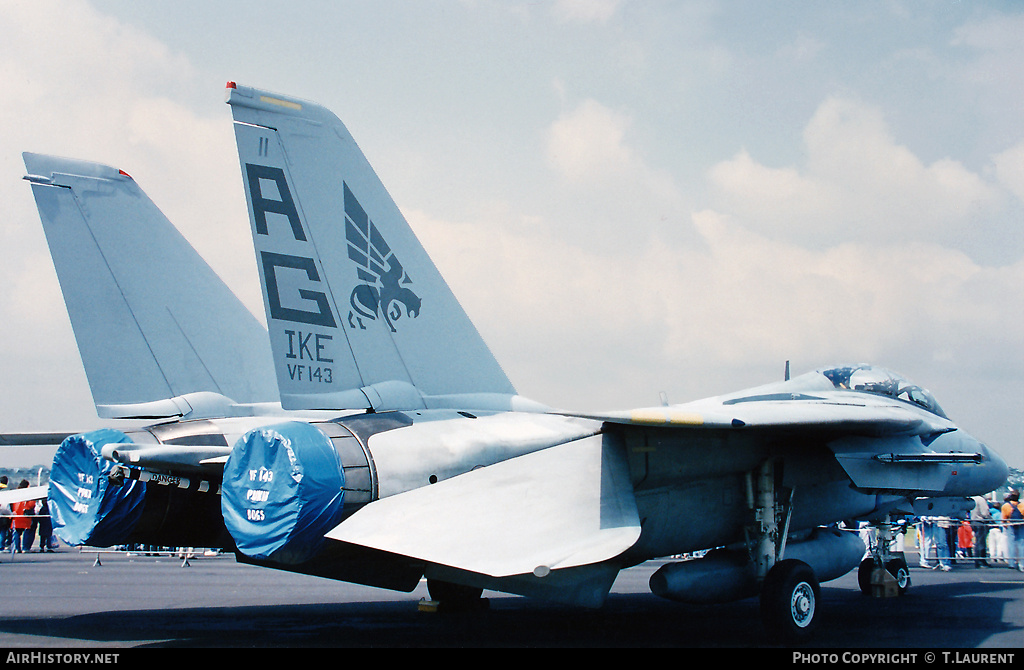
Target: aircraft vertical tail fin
x,y
359,316
152,320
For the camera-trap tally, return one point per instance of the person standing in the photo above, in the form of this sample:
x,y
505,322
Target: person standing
x,y
21,522
965,541
925,540
940,538
45,527
5,519
980,518
1013,520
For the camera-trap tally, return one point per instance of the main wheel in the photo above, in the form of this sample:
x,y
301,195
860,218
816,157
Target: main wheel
x,y
455,597
867,566
897,567
789,599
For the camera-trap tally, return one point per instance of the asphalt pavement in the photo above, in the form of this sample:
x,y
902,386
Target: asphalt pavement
x,y
77,599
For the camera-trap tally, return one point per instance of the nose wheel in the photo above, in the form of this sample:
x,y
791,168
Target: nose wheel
x,y
882,557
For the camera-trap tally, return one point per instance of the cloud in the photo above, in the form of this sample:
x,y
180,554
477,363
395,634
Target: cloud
x,y
998,62
582,329
585,11
98,89
588,144
87,86
1009,169
597,283
851,300
614,196
856,183
833,260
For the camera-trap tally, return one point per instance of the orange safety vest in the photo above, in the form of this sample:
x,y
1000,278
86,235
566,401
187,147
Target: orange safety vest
x,y
19,521
965,536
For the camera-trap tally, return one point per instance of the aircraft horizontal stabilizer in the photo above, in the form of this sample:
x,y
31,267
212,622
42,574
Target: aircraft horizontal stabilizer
x,y
32,439
11,496
566,506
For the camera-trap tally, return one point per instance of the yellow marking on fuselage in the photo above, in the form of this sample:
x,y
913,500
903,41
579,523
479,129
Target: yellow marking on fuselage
x,y
660,416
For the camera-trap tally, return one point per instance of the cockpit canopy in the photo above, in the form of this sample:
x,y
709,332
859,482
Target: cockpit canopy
x,y
879,381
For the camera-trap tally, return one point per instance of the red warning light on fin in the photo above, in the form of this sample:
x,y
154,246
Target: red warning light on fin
x,y
125,174
232,84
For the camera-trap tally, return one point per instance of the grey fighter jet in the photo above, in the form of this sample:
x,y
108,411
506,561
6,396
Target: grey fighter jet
x,y
422,461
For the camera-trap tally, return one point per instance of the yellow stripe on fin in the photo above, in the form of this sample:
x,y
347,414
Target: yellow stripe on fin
x,y
281,103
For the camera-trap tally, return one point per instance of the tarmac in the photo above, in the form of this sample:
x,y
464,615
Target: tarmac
x,y
76,599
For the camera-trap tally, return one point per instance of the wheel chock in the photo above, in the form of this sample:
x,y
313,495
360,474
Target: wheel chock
x,y
883,585
428,605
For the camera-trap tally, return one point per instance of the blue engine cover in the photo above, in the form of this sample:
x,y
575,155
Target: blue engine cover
x,y
282,491
86,507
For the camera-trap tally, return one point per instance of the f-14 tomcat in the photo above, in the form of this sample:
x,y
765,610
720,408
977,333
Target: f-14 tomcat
x,y
394,447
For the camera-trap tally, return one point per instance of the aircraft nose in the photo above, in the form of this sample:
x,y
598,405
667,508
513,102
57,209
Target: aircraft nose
x,y
996,468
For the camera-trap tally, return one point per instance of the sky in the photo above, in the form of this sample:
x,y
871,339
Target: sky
x,y
628,197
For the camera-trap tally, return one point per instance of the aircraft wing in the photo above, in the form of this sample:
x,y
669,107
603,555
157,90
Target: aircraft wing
x,y
32,439
832,402
882,445
10,496
793,415
562,507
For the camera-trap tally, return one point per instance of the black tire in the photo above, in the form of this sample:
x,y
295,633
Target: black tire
x,y
455,597
867,566
898,568
789,601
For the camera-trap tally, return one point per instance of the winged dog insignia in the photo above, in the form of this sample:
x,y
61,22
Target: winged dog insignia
x,y
385,291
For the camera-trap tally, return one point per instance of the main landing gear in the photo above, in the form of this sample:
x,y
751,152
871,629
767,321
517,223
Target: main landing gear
x,y
446,597
789,589
789,599
885,572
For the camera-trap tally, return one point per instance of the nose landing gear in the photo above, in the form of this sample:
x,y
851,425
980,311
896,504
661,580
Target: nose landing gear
x,y
884,572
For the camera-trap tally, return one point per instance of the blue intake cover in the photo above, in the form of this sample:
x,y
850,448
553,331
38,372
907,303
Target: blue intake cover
x,y
86,507
282,491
